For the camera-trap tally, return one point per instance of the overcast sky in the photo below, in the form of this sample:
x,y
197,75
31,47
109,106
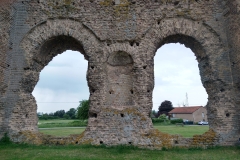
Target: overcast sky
x,y
63,82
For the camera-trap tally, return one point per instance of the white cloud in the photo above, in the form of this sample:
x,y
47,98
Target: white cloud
x,y
62,80
176,73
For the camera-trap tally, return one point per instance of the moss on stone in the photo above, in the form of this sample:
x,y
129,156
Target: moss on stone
x,y
158,139
67,2
207,139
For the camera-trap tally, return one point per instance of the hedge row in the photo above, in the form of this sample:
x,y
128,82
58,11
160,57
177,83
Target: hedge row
x,y
156,120
174,121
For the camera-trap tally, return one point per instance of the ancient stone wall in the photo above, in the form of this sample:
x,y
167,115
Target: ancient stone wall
x,y
119,38
6,18
232,115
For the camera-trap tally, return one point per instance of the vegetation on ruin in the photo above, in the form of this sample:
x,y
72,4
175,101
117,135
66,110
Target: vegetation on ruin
x,y
88,152
5,140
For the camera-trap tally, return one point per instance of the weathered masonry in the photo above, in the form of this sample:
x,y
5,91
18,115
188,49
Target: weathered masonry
x,y
119,38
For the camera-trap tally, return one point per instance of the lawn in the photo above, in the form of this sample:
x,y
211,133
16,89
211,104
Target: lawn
x,y
61,123
186,131
64,131
27,152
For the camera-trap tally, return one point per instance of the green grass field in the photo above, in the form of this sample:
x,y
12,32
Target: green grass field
x,y
186,131
61,123
64,131
27,152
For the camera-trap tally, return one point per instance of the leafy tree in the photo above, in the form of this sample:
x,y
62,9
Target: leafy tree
x,y
45,116
72,113
59,113
66,116
82,110
165,107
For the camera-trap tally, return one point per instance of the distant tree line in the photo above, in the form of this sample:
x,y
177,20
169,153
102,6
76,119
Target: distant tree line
x,y
80,113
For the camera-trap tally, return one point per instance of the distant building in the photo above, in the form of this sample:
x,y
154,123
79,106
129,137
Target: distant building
x,y
192,113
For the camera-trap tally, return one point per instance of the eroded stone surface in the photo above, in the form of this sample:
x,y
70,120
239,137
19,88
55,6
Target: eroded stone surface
x,y
119,38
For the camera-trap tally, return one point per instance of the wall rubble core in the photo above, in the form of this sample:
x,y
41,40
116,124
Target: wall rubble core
x,y
119,38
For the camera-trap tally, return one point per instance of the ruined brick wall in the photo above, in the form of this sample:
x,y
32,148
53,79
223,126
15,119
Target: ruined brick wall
x,y
119,38
5,45
232,21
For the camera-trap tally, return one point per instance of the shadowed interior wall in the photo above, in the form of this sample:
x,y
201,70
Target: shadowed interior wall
x,y
120,82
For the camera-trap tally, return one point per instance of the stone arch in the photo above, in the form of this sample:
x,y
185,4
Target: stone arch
x,y
40,45
211,54
125,47
59,27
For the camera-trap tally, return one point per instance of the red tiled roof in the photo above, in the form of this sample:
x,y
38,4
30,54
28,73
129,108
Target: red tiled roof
x,y
185,110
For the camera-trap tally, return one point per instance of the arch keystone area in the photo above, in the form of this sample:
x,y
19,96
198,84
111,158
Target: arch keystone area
x,y
120,42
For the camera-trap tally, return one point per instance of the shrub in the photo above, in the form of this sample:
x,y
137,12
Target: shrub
x,y
66,116
78,123
46,117
157,120
174,121
5,139
163,117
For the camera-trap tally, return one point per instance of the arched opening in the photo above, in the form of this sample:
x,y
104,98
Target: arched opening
x,y
178,80
62,85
